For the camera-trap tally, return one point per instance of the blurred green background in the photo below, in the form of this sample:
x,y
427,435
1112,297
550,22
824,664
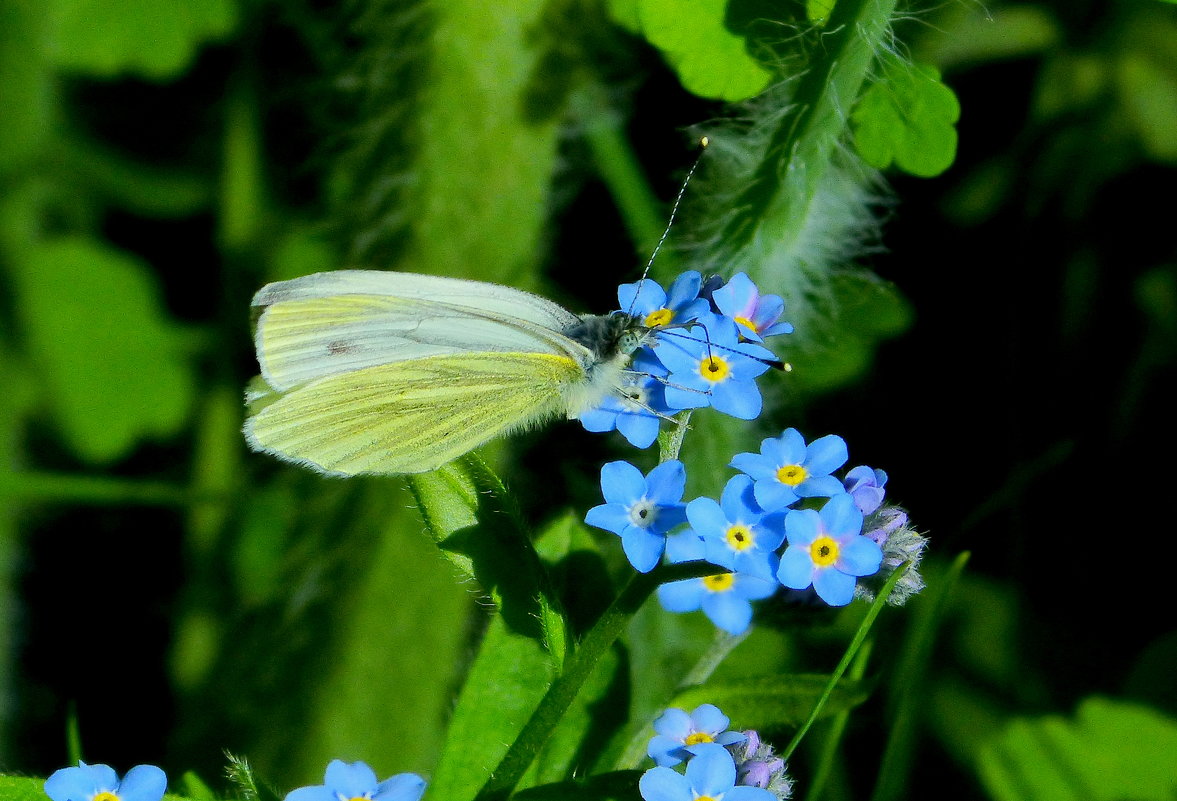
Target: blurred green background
x,y
160,160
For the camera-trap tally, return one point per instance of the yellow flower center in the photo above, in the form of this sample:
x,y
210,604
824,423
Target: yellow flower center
x,y
746,322
739,538
658,318
698,737
704,798
791,474
720,582
105,795
823,551
714,369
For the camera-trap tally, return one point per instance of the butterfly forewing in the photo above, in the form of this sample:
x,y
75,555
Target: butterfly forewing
x,y
301,339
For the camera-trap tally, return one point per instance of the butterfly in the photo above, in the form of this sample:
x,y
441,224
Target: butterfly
x,y
368,371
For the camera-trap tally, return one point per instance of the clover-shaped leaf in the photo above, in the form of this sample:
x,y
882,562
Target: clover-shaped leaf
x,y
711,60
907,118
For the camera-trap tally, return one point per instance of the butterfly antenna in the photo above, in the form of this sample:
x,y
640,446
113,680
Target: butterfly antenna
x,y
682,190
703,142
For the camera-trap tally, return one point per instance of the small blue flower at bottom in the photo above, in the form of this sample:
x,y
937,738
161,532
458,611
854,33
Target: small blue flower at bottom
x,y
641,509
349,781
679,735
711,774
827,551
100,783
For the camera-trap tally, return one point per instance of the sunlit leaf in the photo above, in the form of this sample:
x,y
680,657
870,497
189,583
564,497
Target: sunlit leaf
x,y
111,359
1110,750
711,60
502,689
907,118
153,38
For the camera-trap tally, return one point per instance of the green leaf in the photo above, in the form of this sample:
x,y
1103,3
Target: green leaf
x,y
773,701
20,788
153,38
111,359
618,785
1110,751
907,118
505,684
710,60
477,527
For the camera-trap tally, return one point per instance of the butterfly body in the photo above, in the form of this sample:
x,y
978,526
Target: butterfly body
x,y
367,371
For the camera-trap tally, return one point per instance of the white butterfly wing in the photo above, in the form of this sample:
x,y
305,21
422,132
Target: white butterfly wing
x,y
338,322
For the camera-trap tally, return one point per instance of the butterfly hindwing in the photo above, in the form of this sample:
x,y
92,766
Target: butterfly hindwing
x,y
413,415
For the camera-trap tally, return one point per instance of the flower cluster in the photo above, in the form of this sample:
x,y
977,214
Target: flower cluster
x,y
705,353
835,532
720,764
148,783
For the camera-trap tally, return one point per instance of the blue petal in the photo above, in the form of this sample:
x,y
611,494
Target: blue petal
x,y
143,783
739,399
834,587
770,532
755,465
641,297
791,448
640,430
859,556
350,779
756,564
663,784
642,549
401,787
81,781
841,516
826,454
728,611
681,596
674,724
686,546
712,771
599,420
316,793
684,289
666,751
716,551
609,516
707,718
707,518
796,568
738,501
753,588
667,482
689,395
773,496
802,527
820,487
622,483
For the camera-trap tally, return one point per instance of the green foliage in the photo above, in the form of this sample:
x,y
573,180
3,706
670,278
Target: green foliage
x,y
907,117
154,38
1110,750
113,363
711,60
